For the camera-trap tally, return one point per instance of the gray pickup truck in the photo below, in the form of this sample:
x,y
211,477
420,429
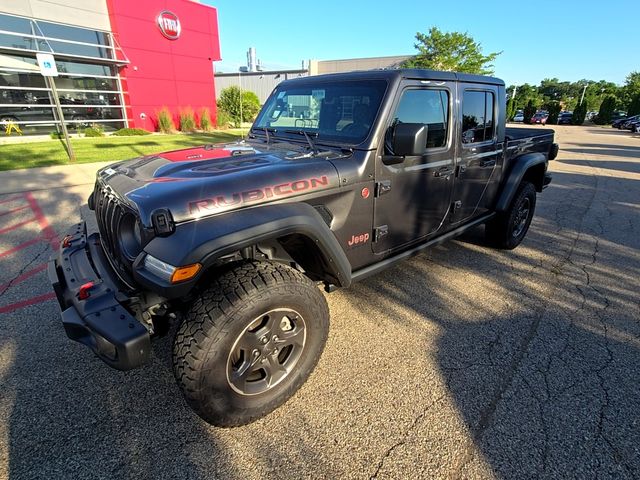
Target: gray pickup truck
x,y
340,177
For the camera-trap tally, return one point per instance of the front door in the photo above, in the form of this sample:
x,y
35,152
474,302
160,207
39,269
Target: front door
x,y
413,197
479,152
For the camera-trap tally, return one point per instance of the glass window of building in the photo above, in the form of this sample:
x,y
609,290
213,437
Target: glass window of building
x,y
88,84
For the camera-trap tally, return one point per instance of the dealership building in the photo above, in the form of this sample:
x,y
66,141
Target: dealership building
x,y
118,61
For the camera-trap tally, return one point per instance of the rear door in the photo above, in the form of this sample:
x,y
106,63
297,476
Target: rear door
x,y
479,151
412,198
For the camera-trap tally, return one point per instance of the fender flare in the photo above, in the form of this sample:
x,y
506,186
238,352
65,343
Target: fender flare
x,y
207,239
521,165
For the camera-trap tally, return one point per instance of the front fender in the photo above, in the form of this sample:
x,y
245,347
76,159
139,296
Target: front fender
x,y
207,239
529,165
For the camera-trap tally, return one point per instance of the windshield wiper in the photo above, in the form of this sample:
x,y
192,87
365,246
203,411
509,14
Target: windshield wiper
x,y
306,134
268,132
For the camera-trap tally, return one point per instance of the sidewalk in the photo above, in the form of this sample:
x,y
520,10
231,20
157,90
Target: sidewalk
x,y
47,178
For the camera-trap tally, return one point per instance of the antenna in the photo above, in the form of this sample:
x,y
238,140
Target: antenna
x,y
240,88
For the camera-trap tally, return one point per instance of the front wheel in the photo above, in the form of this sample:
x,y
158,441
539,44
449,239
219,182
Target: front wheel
x,y
509,228
249,342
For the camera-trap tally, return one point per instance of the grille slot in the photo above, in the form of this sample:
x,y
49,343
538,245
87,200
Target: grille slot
x,y
109,213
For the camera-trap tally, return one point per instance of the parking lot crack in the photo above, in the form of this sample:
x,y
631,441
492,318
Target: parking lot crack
x,y
416,421
25,268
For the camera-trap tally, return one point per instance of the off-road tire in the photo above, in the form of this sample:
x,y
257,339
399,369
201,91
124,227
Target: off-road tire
x,y
217,319
506,230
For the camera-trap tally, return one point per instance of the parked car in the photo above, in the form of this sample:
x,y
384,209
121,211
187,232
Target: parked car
x,y
619,115
629,122
518,117
636,128
540,118
591,115
565,118
231,241
633,126
618,123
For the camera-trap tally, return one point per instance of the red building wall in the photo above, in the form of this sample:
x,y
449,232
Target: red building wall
x,y
163,72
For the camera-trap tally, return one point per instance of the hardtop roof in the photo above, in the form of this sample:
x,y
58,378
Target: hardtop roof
x,y
395,74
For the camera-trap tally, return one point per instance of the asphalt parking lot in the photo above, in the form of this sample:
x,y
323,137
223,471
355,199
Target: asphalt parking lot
x,y
464,362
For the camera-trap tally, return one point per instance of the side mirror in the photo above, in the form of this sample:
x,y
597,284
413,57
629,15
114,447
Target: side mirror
x,y
409,139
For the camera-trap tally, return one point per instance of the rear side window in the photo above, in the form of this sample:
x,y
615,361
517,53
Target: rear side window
x,y
478,114
429,107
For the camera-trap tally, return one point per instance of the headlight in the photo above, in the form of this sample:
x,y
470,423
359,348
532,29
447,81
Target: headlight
x,y
168,272
130,234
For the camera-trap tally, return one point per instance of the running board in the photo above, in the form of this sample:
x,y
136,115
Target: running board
x,y
383,264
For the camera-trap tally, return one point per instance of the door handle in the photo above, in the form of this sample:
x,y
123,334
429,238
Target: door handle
x,y
443,172
488,163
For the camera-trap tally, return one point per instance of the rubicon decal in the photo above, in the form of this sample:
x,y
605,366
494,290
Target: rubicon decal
x,y
282,190
169,24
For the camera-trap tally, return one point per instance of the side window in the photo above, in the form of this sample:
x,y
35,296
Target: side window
x,y
477,116
430,107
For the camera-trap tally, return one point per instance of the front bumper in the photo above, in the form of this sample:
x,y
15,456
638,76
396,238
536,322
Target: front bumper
x,y
100,321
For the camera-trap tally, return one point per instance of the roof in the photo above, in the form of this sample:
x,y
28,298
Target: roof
x,y
396,74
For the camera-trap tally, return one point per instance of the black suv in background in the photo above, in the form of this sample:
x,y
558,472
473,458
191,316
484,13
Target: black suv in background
x,y
565,118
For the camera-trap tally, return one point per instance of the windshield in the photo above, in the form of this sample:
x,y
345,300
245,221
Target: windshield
x,y
341,111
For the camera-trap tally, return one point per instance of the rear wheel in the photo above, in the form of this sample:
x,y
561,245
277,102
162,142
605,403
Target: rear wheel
x,y
249,342
509,228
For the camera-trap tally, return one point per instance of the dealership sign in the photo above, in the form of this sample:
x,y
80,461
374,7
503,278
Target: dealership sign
x,y
169,24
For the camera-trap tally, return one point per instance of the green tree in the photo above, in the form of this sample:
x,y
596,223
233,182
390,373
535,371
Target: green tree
x,y
553,107
230,102
631,89
579,113
634,106
529,111
450,51
607,108
511,107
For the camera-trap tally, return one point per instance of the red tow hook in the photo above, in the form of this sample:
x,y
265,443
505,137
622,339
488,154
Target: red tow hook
x,y
66,241
85,291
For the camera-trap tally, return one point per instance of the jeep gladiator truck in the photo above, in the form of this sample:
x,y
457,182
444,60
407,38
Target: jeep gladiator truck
x,y
340,177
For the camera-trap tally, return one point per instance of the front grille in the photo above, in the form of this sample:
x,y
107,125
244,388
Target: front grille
x,y
109,213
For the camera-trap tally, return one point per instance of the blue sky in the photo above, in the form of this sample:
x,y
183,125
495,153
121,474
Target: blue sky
x,y
567,39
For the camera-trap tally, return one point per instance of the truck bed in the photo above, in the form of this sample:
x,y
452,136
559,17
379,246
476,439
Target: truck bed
x,y
520,141
519,133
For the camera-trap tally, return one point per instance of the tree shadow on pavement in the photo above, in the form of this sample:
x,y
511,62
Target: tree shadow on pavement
x,y
538,348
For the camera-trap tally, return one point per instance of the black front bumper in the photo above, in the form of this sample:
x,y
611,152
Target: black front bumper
x,y
100,321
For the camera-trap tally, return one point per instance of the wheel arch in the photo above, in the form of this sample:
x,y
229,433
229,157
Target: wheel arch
x,y
529,167
282,233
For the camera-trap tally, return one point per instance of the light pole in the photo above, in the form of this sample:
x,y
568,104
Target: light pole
x,y
583,90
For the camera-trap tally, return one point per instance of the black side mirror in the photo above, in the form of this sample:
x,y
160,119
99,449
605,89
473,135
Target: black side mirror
x,y
409,139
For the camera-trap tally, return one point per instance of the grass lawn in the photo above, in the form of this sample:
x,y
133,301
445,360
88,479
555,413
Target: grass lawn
x,y
102,149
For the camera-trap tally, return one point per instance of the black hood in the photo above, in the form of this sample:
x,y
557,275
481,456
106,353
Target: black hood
x,y
202,181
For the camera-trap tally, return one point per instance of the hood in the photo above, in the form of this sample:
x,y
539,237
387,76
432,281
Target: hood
x,y
212,179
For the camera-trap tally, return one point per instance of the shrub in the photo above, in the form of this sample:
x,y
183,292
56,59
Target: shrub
x,y
223,119
205,120
529,111
607,107
554,108
187,120
130,132
634,106
165,121
511,108
230,102
94,131
579,113
55,135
